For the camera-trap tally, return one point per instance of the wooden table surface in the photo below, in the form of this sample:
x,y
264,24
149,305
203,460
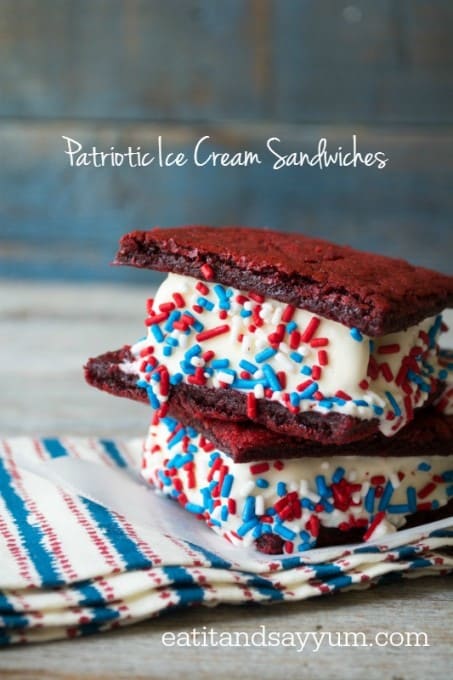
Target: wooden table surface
x,y
46,334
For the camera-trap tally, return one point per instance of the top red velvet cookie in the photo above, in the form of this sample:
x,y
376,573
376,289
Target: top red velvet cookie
x,y
374,293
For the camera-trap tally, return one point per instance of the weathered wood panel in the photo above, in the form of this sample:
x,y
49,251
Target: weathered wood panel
x,y
192,60
57,221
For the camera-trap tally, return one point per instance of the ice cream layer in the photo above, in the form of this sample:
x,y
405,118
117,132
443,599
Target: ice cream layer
x,y
206,334
291,498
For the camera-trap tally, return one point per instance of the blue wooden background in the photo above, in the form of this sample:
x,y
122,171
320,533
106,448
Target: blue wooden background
x,y
112,72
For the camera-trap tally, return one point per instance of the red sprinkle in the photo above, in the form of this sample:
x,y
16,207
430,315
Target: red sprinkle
x,y
241,299
288,313
294,339
197,308
167,306
364,384
207,356
257,297
319,342
281,375
389,349
231,506
251,406
212,333
310,329
377,520
426,490
149,305
377,479
343,395
202,287
178,298
259,468
158,318
279,465
207,271
313,526
301,387
386,372
288,546
223,314
322,357
316,372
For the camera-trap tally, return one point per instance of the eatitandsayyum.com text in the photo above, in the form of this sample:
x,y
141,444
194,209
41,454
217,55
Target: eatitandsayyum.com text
x,y
203,155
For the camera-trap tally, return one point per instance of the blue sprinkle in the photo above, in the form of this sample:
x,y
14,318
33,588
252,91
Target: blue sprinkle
x,y
142,383
187,368
215,522
393,404
265,353
386,496
213,457
337,400
242,384
206,304
226,486
372,346
424,466
325,403
153,400
447,476
224,513
291,326
328,507
412,499
449,490
378,410
248,512
294,399
257,531
248,366
307,503
165,480
338,475
172,341
360,402
369,500
170,423
309,391
174,316
220,292
356,334
193,351
262,483
176,438
158,335
193,507
167,351
220,363
273,381
176,378
443,374
247,526
322,486
281,489
297,357
156,377
271,511
245,313
306,370
284,532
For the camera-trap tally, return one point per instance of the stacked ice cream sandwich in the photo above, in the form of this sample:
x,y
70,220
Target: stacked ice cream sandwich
x,y
300,397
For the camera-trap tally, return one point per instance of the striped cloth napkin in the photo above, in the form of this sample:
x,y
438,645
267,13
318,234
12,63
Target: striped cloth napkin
x,y
86,547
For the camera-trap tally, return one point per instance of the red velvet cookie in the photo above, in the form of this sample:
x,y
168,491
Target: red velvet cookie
x,y
373,293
